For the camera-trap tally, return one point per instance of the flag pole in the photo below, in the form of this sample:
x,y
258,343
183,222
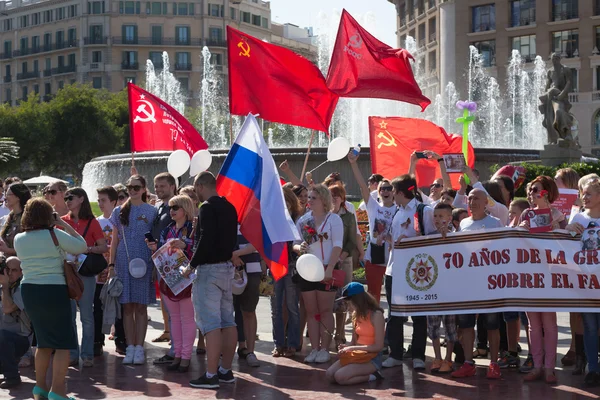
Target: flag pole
x,y
312,136
230,130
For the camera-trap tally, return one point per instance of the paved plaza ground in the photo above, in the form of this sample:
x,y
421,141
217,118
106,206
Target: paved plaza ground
x,y
280,378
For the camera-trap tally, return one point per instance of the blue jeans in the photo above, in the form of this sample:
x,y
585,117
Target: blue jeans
x,y
86,316
591,323
12,348
286,290
212,297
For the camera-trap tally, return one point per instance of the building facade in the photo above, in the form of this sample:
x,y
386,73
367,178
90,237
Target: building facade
x,y
47,44
446,29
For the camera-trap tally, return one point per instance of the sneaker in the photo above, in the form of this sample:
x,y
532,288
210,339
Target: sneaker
x,y
418,364
493,371
436,365
139,357
527,365
508,361
226,378
312,356
592,379
466,370
446,367
129,352
166,359
252,360
88,362
10,383
391,362
323,356
206,383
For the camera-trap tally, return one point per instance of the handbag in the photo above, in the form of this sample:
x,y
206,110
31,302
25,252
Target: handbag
x,y
356,357
94,263
377,254
137,266
74,282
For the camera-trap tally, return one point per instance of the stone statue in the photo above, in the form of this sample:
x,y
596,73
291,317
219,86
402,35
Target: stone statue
x,y
555,105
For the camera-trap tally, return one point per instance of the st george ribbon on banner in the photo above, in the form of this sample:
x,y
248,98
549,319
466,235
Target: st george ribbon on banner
x,y
494,270
155,125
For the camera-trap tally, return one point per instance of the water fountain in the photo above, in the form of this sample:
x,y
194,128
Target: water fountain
x,y
505,120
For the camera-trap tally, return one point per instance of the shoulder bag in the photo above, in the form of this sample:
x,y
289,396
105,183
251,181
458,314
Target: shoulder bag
x,y
137,267
74,282
94,263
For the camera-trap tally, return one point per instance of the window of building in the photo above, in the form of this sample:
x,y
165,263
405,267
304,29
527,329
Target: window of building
x,y
215,10
265,22
8,96
526,46
185,84
130,59
182,8
23,21
61,61
96,7
432,29
522,12
60,13
24,44
215,34
72,35
35,43
47,41
484,18
246,16
597,128
71,60
7,25
48,64
61,85
597,42
129,7
35,18
96,34
156,58
182,35
24,92
36,66
421,30
432,61
73,10
564,9
129,33
24,67
97,82
487,49
60,38
183,58
36,89
256,20
156,31
47,16
575,79
47,88
154,8
7,69
566,43
96,56
232,13
7,47
216,59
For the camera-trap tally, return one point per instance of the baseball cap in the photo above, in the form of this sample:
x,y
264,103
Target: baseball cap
x,y
351,289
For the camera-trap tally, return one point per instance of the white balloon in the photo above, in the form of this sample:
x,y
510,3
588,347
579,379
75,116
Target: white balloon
x,y
201,161
178,163
338,149
310,268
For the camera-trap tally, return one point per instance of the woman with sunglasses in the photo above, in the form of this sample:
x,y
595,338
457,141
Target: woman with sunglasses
x,y
179,235
82,219
380,216
543,328
122,194
56,196
131,222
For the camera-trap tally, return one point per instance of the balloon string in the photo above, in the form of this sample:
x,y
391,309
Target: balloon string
x,y
318,166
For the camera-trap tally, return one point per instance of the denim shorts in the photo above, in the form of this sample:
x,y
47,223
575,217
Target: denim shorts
x,y
212,297
377,362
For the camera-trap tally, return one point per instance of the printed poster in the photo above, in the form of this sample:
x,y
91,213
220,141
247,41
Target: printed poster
x,y
170,262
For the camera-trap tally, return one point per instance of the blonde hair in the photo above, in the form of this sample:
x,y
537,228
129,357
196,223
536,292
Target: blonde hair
x,y
190,192
592,182
325,196
568,176
185,203
583,181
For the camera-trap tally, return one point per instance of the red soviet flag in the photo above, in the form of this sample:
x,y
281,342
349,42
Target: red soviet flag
x,y
276,83
155,125
394,139
362,66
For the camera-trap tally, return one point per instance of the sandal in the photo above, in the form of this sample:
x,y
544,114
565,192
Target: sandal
x,y
289,353
278,352
480,353
165,337
41,393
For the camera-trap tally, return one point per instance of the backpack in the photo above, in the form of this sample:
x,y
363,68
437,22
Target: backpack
x,y
420,213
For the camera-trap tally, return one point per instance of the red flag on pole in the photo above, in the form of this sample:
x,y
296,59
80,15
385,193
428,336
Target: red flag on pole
x,y
362,66
276,83
394,139
155,125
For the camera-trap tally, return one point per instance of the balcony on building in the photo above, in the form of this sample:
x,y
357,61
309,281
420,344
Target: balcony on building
x,y
183,67
91,40
156,41
5,56
7,78
48,72
215,43
65,69
130,65
28,75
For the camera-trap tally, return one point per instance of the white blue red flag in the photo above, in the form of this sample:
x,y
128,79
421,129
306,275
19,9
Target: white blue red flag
x,y
250,181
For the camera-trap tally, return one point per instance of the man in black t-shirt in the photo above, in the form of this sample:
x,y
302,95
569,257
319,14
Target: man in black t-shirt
x,y
216,236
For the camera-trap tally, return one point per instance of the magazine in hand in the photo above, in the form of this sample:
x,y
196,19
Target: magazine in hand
x,y
540,220
170,262
454,162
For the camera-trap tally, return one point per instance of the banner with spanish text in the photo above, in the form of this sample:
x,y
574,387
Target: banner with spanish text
x,y
494,270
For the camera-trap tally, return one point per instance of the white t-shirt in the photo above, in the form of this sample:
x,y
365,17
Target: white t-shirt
x,y
590,240
323,238
404,224
495,209
252,260
489,222
374,196
380,223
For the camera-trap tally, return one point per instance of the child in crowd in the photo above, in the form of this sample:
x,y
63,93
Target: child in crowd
x,y
458,214
515,210
442,218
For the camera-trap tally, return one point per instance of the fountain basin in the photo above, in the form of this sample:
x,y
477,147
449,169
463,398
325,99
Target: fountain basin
x,y
109,170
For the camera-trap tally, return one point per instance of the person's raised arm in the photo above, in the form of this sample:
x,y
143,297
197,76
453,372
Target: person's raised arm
x,y
443,171
362,184
412,168
287,171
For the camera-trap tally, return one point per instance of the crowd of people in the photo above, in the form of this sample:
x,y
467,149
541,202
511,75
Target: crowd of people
x,y
219,309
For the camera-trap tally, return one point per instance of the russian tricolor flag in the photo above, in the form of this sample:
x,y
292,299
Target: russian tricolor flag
x,y
250,181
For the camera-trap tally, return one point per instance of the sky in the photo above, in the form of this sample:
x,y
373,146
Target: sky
x,y
304,14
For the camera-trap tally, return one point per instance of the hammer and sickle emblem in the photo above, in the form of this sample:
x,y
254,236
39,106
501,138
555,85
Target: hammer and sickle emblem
x,y
245,48
391,141
142,109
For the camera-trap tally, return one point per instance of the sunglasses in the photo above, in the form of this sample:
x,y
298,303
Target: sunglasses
x,y
135,188
534,189
52,192
436,185
175,208
122,197
69,198
386,188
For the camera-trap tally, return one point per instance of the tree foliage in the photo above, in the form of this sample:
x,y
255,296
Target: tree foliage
x,y
61,135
